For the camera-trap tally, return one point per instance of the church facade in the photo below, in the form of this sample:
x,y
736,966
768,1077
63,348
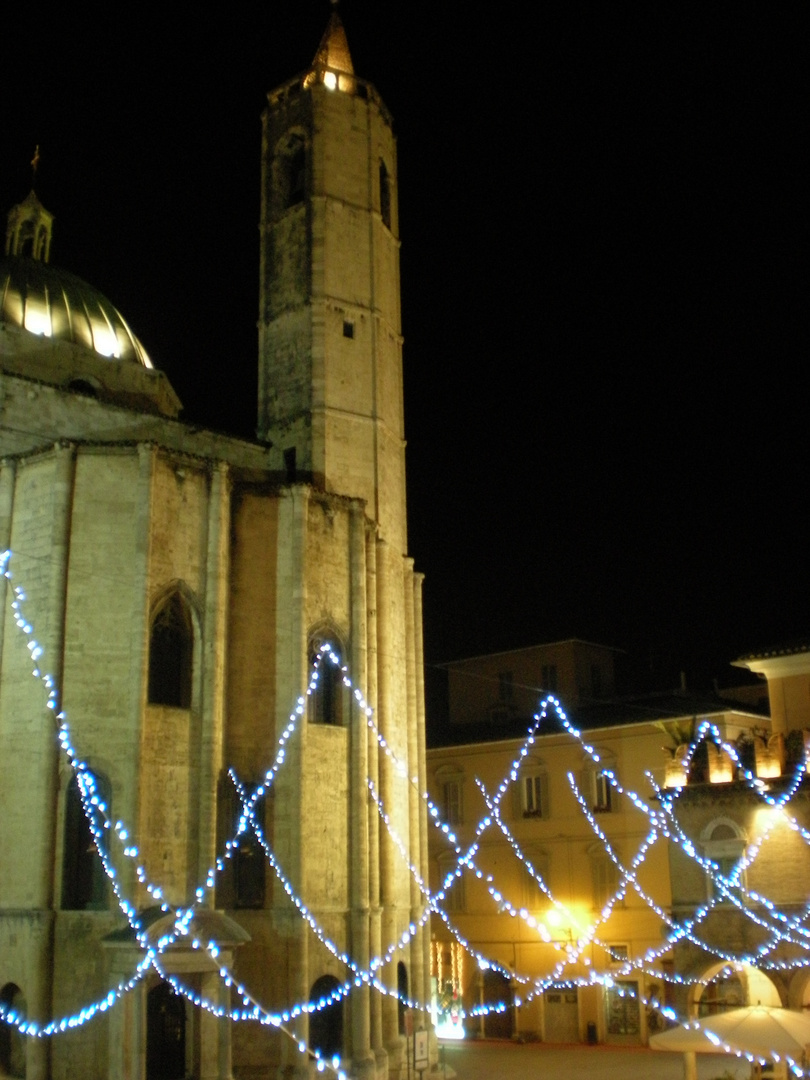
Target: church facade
x,y
182,584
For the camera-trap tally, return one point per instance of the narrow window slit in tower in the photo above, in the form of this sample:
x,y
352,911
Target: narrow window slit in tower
x,y
385,196
289,464
348,328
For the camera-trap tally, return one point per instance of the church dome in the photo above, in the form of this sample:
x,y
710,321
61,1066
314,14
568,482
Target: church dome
x,y
52,303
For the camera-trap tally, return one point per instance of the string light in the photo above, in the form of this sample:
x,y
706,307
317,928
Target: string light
x,y
781,929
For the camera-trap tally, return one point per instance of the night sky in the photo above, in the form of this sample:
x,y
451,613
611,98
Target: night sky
x,y
603,210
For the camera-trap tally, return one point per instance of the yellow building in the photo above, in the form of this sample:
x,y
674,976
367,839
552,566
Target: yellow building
x,y
748,942
181,584
555,939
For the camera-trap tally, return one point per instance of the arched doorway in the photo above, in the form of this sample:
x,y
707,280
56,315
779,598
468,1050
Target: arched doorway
x,y
497,991
165,1034
12,1043
326,1024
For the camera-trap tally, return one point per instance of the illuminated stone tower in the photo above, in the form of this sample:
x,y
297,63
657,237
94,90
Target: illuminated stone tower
x,y
330,374
330,402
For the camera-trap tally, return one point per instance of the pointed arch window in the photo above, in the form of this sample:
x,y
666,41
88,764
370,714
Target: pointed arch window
x,y
327,704
171,653
249,863
84,882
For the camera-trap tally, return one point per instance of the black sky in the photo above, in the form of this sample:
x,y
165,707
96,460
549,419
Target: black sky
x,y
605,283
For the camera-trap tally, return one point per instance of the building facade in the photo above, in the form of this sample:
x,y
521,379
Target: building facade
x,y
557,934
182,584
749,912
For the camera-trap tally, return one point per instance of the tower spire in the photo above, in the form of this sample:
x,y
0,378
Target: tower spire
x,y
333,51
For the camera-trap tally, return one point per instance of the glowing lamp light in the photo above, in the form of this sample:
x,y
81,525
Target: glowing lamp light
x,y
677,774
721,767
769,769
330,80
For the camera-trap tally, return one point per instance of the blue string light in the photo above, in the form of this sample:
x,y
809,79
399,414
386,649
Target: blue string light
x,y
783,929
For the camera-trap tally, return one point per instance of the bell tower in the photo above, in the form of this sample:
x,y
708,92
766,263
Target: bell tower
x,y
330,344
28,231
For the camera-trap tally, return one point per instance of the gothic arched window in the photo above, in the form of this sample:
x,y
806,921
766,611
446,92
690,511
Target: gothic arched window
x,y
171,653
326,702
84,882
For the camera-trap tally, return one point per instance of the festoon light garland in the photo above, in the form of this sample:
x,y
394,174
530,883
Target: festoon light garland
x,y
789,930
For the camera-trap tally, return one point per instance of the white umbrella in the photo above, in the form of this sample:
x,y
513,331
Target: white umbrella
x,y
688,1038
755,1029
